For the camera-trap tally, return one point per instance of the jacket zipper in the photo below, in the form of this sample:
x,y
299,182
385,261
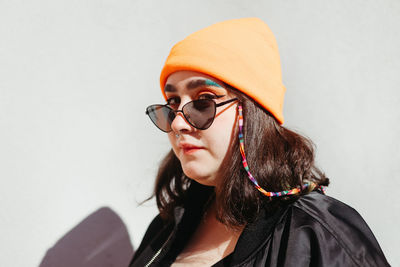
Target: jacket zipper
x,y
159,251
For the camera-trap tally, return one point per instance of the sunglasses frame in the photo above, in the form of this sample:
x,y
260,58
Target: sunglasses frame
x,y
183,113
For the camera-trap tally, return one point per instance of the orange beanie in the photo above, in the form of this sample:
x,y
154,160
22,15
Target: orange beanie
x,y
240,52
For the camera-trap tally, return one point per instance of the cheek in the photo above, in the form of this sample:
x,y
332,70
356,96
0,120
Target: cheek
x,y
223,134
172,141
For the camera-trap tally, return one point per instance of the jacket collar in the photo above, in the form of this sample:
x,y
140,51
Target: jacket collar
x,y
255,235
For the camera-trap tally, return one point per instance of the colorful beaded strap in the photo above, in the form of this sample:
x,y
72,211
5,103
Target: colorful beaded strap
x,y
252,179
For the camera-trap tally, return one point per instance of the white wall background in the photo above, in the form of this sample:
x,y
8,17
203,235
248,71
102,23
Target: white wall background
x,y
76,76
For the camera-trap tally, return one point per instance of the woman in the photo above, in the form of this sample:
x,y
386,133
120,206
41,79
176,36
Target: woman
x,y
237,188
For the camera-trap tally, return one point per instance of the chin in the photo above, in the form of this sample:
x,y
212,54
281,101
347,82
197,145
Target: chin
x,y
200,177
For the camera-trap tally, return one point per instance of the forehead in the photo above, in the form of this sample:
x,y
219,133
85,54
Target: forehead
x,y
190,80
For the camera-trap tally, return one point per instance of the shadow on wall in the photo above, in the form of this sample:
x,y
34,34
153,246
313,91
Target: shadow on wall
x,y
100,240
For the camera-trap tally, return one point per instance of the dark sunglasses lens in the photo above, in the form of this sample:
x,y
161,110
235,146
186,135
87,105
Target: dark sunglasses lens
x,y
200,113
161,116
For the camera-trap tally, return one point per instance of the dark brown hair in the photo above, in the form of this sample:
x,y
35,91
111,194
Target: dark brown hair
x,y
278,158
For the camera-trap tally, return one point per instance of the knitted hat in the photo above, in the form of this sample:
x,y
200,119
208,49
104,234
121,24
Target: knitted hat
x,y
240,52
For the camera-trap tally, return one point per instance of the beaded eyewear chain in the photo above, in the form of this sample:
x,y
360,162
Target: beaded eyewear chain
x,y
253,180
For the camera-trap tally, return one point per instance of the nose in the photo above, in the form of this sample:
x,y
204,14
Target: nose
x,y
180,125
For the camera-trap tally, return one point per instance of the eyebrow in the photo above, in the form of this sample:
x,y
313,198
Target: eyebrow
x,y
193,85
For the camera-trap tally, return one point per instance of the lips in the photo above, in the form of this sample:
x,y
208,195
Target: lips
x,y
189,148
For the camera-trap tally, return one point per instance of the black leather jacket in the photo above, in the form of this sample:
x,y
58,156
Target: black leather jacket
x,y
315,230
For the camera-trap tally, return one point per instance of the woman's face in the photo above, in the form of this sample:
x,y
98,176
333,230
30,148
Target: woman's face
x,y
200,151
